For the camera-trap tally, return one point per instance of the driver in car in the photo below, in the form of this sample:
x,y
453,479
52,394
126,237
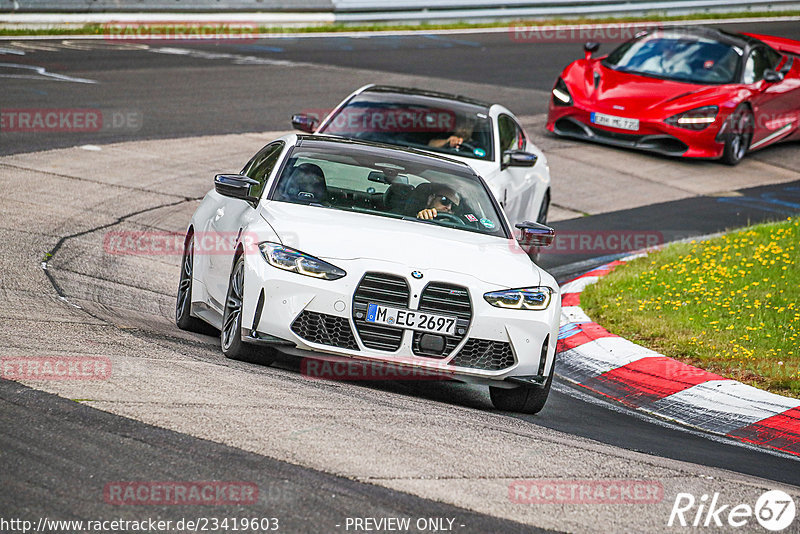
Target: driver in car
x,y
462,134
306,183
443,199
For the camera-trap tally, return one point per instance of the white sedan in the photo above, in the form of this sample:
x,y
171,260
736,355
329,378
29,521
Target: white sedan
x,y
308,252
486,136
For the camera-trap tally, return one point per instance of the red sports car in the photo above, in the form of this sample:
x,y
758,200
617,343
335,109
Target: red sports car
x,y
683,91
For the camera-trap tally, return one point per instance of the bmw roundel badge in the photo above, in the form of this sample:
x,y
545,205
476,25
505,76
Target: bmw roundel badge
x,y
416,274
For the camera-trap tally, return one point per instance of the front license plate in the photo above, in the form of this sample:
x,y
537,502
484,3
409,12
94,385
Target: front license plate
x,y
415,320
615,122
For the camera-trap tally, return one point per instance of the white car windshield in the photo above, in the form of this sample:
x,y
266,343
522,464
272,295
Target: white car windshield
x,y
427,123
389,183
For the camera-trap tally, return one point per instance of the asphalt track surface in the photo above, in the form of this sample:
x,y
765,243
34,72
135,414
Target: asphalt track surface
x,y
59,436
183,94
180,94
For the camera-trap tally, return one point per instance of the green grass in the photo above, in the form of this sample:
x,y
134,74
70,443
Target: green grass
x,y
730,305
101,29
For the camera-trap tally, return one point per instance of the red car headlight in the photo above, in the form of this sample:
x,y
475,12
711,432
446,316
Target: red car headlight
x,y
561,96
694,119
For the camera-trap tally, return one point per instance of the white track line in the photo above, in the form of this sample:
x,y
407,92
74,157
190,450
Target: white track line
x,y
576,393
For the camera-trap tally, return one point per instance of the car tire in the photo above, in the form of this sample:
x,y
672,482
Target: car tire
x,y
231,334
739,135
524,399
183,301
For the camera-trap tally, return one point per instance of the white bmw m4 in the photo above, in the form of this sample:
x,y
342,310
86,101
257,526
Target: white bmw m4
x,y
324,247
484,135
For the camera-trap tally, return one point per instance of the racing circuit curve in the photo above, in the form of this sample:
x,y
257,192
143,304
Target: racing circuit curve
x,y
440,435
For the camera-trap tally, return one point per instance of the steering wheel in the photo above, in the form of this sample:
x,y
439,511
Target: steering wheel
x,y
450,218
466,146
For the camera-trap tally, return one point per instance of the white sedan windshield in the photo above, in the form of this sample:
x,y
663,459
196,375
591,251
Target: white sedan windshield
x,y
417,122
387,183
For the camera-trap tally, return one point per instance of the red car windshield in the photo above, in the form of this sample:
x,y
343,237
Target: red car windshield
x,y
679,57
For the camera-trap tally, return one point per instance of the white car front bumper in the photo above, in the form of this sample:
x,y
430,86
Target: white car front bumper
x,y
322,316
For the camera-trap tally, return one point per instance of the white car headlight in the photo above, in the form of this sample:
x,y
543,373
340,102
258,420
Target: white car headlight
x,y
529,298
298,262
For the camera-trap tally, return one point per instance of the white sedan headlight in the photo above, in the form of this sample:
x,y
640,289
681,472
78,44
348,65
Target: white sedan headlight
x,y
529,298
298,262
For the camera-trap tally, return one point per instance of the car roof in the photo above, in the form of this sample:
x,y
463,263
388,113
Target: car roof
x,y
726,37
331,139
425,93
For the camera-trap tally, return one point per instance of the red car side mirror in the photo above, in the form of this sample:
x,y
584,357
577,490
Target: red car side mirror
x,y
589,48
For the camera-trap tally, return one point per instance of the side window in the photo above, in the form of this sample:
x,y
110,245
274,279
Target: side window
x,y
507,130
773,58
520,137
757,62
255,160
260,167
511,135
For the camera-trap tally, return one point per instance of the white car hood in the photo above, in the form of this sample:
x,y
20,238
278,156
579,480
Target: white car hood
x,y
484,168
481,166
488,170
332,234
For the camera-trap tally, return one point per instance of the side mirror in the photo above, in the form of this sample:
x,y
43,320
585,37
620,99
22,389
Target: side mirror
x,y
589,48
518,158
235,186
771,76
535,234
304,123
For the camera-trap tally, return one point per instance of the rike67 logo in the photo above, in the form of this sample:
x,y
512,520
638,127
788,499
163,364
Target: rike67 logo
x,y
774,510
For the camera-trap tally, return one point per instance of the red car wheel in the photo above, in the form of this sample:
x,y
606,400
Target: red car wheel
x,y
739,136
